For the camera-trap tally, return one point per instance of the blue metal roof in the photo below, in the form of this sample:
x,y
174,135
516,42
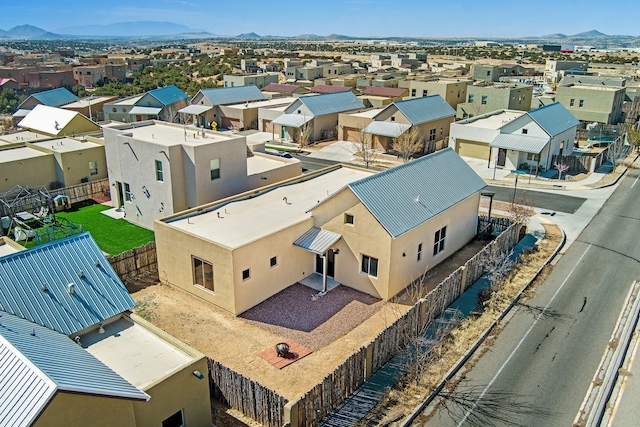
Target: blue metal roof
x,y
34,285
406,196
330,103
554,118
168,94
53,97
54,363
425,109
233,95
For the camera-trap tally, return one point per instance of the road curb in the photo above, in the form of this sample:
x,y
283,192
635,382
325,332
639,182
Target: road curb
x,y
461,362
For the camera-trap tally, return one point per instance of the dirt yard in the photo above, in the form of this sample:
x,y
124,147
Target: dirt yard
x,y
333,326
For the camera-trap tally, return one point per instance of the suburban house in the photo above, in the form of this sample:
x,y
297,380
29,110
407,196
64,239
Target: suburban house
x,y
49,98
162,104
350,125
517,140
340,225
376,97
554,70
205,105
431,116
57,122
260,80
319,112
159,168
92,106
278,90
591,103
73,354
486,97
9,83
454,91
245,115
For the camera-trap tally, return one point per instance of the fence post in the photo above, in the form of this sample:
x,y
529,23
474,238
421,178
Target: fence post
x,y
291,416
368,361
463,279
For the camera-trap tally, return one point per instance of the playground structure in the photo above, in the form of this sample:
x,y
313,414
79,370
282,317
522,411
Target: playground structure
x,y
28,214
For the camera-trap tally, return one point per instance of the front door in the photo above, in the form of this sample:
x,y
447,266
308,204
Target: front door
x,y
502,156
120,194
283,132
330,264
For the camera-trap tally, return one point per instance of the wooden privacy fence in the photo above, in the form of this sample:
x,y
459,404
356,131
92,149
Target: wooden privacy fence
x,y
84,191
142,259
577,164
245,395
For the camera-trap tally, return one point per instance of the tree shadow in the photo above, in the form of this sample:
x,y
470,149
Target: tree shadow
x,y
545,314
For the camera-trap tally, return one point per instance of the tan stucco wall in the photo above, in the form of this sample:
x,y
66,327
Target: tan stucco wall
x,y
33,172
72,409
75,165
79,124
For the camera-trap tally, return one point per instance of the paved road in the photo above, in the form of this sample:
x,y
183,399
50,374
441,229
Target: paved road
x,y
560,201
538,370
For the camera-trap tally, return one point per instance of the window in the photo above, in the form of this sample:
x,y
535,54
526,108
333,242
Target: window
x,y
432,134
533,157
489,73
348,219
215,169
581,103
93,168
159,172
175,420
413,92
572,102
419,257
127,192
246,274
273,261
470,98
424,92
393,119
525,131
438,240
370,265
203,273
484,100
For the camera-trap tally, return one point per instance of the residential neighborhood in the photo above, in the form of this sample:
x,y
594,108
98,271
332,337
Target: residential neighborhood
x,y
208,230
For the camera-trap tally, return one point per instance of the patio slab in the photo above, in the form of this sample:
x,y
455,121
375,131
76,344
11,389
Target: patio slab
x,y
296,352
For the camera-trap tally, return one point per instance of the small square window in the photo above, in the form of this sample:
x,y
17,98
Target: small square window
x,y
246,274
393,119
369,265
483,101
572,102
273,261
348,219
93,168
525,131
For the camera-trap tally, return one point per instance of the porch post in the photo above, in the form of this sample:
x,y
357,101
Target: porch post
x,y
325,266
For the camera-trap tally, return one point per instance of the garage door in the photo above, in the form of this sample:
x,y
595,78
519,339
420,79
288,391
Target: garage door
x,y
350,134
475,149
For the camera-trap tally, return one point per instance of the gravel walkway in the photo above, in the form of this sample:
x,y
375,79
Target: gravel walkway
x,y
294,314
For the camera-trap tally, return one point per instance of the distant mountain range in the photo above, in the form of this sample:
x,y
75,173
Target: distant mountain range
x,y
154,30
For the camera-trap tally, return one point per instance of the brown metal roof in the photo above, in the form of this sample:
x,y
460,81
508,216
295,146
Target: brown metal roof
x,y
384,91
278,87
329,89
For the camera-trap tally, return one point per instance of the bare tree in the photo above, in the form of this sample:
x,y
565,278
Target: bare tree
x,y
520,209
303,134
407,144
616,152
364,151
561,167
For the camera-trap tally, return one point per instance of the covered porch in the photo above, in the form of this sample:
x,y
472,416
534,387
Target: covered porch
x,y
319,242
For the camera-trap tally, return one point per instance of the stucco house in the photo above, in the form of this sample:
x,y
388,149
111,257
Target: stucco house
x,y
516,140
50,98
320,112
159,168
373,232
162,104
205,105
431,116
72,354
54,121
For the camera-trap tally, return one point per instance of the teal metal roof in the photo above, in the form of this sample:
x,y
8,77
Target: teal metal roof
x,y
425,109
34,285
36,362
233,95
330,103
54,97
406,196
168,95
554,118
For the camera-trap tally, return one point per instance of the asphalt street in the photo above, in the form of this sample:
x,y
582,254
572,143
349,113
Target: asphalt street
x,y
554,202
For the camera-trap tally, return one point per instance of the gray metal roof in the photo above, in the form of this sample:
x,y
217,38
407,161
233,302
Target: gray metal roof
x,y
425,109
317,241
291,120
35,362
408,195
195,109
153,111
233,95
390,129
554,118
34,285
331,103
518,142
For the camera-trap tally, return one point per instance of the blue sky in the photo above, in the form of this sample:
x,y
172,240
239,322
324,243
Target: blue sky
x,y
412,18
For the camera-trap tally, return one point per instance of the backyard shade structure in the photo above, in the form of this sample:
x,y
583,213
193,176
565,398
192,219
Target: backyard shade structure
x,y
389,129
317,240
195,109
292,120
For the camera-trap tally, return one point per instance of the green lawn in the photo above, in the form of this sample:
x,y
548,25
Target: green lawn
x,y
113,236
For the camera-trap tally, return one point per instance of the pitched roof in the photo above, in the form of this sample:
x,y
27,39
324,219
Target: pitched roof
x,y
408,195
390,129
329,89
279,87
329,103
52,120
554,118
425,109
317,240
519,142
4,80
30,376
34,285
384,91
168,94
233,95
53,97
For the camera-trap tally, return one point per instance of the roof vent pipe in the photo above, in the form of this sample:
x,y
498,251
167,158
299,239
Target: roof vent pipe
x,y
71,288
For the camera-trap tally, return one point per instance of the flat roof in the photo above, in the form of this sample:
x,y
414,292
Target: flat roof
x,y
20,153
168,135
236,226
65,145
370,114
134,352
24,136
258,164
6,248
128,101
493,121
84,103
262,104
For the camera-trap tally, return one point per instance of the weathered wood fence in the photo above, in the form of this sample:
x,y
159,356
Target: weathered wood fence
x,y
140,260
84,191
